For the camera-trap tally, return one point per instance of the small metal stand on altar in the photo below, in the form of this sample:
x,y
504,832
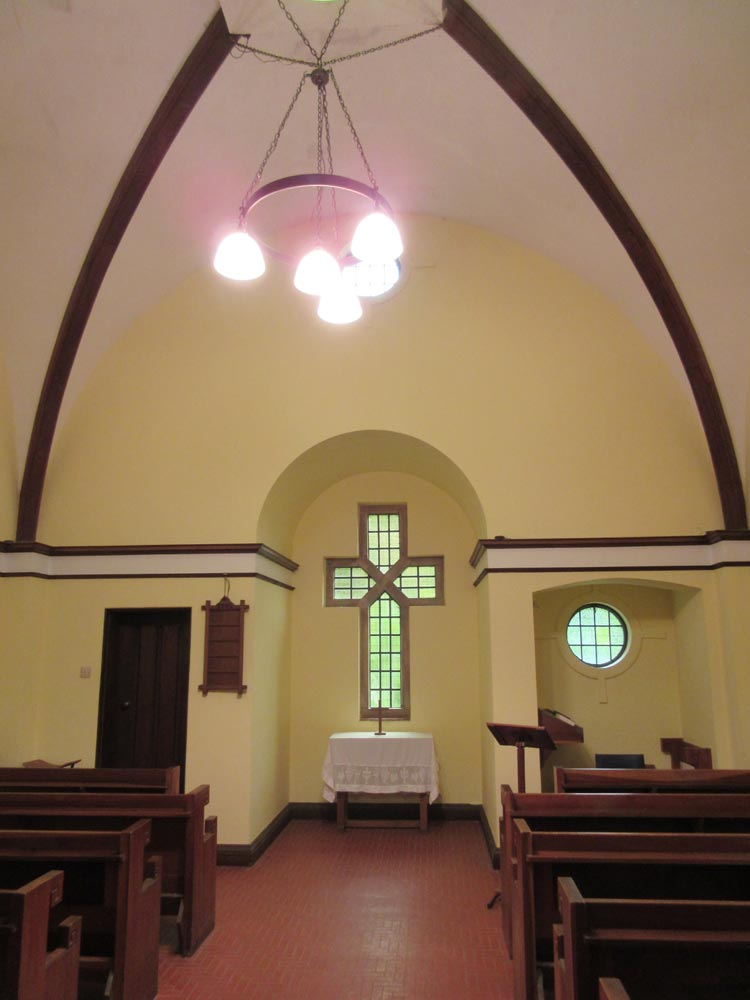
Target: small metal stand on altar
x,y
380,730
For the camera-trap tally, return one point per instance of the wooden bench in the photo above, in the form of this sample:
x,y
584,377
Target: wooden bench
x,y
38,956
181,835
113,887
136,780
585,779
684,754
623,865
615,812
663,949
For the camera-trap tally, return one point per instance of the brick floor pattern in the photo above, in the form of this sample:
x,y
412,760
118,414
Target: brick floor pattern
x,y
365,914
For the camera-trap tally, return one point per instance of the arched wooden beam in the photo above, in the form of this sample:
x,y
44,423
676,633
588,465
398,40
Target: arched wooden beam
x,y
476,37
208,54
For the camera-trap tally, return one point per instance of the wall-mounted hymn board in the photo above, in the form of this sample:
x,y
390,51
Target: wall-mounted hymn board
x,y
222,663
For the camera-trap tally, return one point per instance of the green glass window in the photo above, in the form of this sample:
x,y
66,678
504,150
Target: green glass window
x,y
597,635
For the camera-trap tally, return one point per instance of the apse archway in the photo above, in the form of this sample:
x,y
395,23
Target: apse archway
x,y
348,454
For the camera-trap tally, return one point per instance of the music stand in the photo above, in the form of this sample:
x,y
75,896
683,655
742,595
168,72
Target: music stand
x,y
521,737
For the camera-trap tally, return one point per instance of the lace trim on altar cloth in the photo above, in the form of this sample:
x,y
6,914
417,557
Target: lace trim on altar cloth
x,y
403,778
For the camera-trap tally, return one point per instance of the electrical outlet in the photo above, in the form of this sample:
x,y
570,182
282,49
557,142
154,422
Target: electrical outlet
x,y
86,672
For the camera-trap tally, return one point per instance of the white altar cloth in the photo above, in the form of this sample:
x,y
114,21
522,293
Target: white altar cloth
x,y
394,762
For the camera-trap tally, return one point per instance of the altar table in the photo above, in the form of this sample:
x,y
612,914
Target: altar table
x,y
387,764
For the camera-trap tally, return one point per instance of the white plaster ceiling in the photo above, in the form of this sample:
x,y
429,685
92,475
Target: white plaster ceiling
x,y
659,88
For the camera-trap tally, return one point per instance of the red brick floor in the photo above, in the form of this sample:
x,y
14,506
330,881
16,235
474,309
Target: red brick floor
x,y
366,914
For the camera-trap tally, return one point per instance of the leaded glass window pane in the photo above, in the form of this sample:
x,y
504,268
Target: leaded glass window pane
x,y
597,635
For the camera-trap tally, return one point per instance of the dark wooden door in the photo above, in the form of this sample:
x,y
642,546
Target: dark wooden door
x,y
143,698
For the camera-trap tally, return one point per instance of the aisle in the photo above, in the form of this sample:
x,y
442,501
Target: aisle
x,y
362,915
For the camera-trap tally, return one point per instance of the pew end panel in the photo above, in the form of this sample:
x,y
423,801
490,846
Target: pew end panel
x,y
39,957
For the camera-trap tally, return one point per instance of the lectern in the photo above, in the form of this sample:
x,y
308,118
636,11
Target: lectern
x,y
521,737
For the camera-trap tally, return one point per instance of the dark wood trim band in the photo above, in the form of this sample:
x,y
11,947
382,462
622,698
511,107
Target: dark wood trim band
x,y
197,72
627,541
210,548
610,569
480,42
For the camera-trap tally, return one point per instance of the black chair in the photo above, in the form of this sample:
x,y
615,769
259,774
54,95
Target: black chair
x,y
618,760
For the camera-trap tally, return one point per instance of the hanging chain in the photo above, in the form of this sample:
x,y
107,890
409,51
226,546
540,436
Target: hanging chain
x,y
271,148
352,129
317,55
320,76
386,45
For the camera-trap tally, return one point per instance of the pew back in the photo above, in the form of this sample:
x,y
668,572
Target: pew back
x,y
614,812
115,890
664,949
160,780
181,835
618,865
651,779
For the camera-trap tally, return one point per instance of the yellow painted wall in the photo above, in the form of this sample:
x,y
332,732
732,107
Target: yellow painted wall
x,y
491,354
9,481
444,647
237,745
23,615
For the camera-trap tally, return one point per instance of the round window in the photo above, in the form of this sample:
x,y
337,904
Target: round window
x,y
597,635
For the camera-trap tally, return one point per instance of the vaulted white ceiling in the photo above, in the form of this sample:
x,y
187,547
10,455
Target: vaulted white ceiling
x,y
660,90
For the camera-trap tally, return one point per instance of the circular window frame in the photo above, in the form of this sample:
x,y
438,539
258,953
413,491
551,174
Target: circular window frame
x,y
620,608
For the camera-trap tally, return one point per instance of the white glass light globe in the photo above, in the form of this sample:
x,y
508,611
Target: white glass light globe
x,y
238,256
339,305
317,272
377,239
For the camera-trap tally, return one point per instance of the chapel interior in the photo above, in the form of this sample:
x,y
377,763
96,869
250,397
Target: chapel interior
x,y
556,391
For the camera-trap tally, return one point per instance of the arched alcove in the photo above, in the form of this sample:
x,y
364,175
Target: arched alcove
x,y
348,454
660,686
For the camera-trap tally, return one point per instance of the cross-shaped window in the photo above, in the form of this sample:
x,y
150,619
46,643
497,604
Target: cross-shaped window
x,y
384,582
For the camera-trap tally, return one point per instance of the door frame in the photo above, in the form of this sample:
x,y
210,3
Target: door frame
x,y
110,616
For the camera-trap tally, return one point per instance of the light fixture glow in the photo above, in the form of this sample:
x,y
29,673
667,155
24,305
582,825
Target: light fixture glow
x,y
239,257
340,305
377,239
316,272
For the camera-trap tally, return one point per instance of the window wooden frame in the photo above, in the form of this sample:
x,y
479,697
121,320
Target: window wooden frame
x,y
384,583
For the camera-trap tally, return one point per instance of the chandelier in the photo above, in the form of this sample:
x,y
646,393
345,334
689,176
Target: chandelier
x,y
332,267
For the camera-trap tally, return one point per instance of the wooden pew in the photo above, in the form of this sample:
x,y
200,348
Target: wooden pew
x,y
181,835
38,957
684,754
625,865
663,949
113,887
136,780
616,812
585,779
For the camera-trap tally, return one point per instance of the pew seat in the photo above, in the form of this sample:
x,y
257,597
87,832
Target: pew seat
x,y
662,949
39,954
113,887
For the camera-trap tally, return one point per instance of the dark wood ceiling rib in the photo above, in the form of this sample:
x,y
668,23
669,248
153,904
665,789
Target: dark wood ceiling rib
x,y
197,72
475,36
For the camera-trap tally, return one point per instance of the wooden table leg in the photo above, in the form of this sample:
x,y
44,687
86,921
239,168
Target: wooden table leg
x,y
342,800
423,797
